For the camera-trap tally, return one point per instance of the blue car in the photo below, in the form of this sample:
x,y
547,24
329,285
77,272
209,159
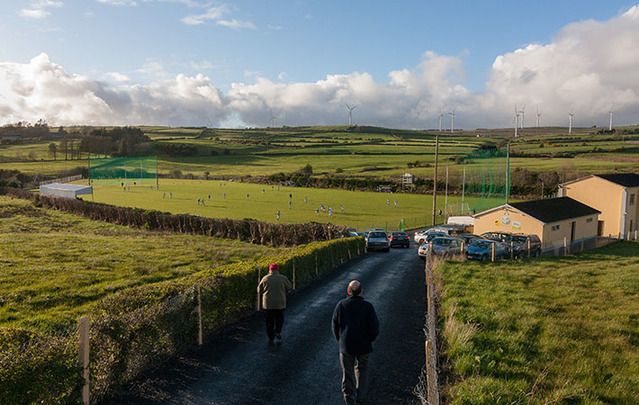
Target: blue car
x,y
481,249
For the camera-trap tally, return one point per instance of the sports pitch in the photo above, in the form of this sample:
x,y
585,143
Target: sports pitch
x,y
229,199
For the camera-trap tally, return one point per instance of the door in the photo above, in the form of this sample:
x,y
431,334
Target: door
x,y
573,224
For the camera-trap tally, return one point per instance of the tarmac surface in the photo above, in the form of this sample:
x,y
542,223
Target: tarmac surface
x,y
239,366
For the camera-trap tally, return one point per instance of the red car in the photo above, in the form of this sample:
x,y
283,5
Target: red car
x,y
399,239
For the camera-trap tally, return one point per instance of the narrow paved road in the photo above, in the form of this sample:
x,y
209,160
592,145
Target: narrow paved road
x,y
240,367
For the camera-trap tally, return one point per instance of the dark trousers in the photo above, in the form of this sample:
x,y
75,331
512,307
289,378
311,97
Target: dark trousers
x,y
274,322
354,377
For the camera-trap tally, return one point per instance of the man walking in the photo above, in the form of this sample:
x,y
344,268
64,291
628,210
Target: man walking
x,y
355,327
273,289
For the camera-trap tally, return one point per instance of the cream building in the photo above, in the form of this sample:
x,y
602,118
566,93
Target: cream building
x,y
615,195
553,220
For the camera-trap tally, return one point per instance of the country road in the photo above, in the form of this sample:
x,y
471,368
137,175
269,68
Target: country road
x,y
240,367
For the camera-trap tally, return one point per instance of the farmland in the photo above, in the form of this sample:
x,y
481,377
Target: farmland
x,y
556,330
55,266
359,152
229,200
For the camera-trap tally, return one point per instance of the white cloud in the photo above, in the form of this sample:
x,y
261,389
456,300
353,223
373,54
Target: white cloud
x,y
39,9
129,3
587,68
117,77
216,15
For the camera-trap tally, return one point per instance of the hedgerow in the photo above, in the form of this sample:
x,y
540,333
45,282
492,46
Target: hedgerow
x,y
140,328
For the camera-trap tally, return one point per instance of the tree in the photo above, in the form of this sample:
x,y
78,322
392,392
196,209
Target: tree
x,y
53,149
308,169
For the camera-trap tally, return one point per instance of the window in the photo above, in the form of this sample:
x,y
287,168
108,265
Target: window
x,y
555,227
589,220
632,200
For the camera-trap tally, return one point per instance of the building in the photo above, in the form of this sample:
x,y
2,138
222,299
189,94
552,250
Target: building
x,y
408,179
554,220
64,190
615,195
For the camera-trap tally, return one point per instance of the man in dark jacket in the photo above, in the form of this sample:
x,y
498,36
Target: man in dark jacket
x,y
355,327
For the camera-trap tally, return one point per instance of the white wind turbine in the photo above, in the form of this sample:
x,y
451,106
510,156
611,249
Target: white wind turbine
x,y
452,120
538,116
273,118
440,120
570,116
516,119
523,114
610,119
350,114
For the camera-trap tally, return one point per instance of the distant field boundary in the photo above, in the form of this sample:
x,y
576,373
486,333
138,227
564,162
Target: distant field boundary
x,y
247,230
134,330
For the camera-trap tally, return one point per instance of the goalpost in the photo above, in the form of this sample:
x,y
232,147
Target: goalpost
x,y
128,171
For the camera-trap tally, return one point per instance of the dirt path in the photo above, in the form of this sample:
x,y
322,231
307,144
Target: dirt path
x,y
240,367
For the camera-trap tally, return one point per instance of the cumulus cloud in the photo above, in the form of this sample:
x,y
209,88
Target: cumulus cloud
x,y
39,9
216,15
588,68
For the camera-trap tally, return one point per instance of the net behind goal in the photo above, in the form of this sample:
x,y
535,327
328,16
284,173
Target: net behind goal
x,y
124,170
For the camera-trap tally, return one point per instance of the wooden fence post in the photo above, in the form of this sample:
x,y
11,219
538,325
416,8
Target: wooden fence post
x,y
294,273
200,329
492,251
529,248
259,278
582,244
512,250
636,234
84,357
565,246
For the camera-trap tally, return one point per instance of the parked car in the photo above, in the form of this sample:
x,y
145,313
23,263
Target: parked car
x,y
468,238
399,239
427,236
377,240
520,245
481,249
446,246
503,237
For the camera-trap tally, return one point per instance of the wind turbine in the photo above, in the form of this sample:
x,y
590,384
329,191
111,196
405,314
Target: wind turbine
x,y
523,114
570,115
350,114
538,116
516,119
440,120
610,122
273,118
452,120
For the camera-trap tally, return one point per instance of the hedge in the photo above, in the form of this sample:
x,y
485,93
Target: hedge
x,y
140,328
247,230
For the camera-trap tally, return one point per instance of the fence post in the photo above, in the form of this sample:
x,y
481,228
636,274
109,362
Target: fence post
x,y
582,244
492,251
84,357
636,234
259,278
462,247
294,273
565,246
529,248
316,266
512,250
349,253
200,331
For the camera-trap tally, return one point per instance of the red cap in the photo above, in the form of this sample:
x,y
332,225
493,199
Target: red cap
x,y
273,266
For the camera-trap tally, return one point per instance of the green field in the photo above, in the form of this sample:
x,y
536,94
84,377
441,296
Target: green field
x,y
555,330
54,266
358,152
361,209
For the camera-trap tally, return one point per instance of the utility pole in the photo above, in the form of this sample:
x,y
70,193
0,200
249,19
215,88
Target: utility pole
x,y
446,196
463,190
507,172
435,181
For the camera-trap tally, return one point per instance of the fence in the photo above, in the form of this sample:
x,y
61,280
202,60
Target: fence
x,y
61,180
127,333
428,390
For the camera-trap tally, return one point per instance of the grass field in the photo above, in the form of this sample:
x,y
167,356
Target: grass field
x,y
54,266
555,330
361,209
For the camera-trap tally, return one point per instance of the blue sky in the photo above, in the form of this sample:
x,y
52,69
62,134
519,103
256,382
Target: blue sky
x,y
283,41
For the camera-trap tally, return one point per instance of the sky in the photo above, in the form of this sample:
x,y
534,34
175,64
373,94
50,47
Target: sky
x,y
250,63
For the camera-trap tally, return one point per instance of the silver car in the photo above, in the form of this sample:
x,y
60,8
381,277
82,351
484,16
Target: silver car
x,y
377,240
